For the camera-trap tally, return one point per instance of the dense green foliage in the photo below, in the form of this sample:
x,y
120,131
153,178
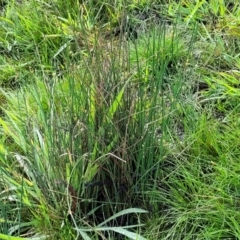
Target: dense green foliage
x,y
119,119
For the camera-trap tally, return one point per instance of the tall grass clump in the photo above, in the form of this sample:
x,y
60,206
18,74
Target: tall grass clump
x,y
118,121
85,145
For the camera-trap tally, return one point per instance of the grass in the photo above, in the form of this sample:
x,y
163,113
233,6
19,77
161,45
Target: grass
x,y
119,120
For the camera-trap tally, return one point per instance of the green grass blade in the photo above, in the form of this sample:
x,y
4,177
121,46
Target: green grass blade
x,y
123,212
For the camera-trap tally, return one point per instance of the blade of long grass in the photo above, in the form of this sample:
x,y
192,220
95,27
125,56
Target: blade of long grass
x,y
123,212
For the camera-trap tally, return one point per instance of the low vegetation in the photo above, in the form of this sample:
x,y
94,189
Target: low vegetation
x,y
119,119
